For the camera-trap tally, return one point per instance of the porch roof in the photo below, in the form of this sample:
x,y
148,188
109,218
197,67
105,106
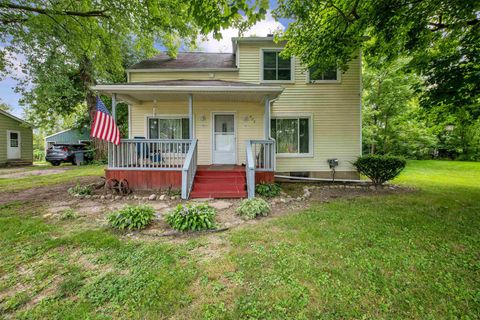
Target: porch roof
x,y
137,92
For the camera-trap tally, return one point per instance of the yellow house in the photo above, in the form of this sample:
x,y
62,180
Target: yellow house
x,y
216,123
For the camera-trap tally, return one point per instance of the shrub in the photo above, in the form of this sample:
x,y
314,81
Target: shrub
x,y
192,217
131,217
380,168
268,190
38,155
69,214
79,190
251,208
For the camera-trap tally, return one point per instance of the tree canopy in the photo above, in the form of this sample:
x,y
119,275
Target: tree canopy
x,y
442,37
68,46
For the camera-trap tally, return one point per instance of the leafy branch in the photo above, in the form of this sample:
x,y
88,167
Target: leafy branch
x,y
85,14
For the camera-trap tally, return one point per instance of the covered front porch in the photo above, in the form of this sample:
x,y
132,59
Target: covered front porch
x,y
181,132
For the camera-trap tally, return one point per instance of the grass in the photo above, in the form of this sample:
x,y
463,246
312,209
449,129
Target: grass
x,y
407,255
33,181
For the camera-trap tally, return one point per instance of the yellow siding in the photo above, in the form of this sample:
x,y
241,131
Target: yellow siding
x,y
335,111
249,122
154,76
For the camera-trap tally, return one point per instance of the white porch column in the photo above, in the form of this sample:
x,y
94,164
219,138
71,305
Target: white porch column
x,y
190,115
114,107
267,117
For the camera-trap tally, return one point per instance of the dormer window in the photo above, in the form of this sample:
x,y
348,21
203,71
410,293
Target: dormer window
x,y
330,75
276,68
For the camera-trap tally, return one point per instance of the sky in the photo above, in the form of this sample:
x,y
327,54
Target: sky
x,y
262,28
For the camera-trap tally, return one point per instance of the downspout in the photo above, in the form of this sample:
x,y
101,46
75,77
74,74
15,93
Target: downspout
x,y
190,115
270,131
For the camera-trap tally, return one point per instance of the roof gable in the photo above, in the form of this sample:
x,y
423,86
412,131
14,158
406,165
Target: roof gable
x,y
11,116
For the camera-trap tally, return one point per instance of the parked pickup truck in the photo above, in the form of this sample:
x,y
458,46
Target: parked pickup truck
x,y
73,153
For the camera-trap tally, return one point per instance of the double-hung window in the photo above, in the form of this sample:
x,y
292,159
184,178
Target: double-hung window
x,y
275,68
168,128
292,135
329,75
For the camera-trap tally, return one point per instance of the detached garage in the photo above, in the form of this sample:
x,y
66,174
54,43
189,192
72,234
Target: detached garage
x,y
16,140
70,136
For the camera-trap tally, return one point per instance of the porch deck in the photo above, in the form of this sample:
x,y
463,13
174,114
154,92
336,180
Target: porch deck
x,y
160,164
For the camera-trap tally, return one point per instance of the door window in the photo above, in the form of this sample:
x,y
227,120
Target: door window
x,y
224,133
14,139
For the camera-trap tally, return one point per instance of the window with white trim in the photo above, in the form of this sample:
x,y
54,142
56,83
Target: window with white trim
x,y
14,139
328,75
275,68
292,135
168,128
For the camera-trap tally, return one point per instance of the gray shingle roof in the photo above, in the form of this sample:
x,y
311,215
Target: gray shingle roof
x,y
188,60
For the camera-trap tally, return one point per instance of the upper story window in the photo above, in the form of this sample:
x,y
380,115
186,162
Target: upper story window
x,y
276,68
331,75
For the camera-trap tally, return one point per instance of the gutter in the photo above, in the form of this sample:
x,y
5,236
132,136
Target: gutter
x,y
130,88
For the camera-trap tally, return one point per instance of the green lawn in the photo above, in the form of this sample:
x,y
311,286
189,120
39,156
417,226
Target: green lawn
x,y
33,181
407,255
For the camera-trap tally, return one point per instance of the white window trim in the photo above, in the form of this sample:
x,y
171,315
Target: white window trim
x,y
162,116
19,139
49,142
292,67
339,78
310,134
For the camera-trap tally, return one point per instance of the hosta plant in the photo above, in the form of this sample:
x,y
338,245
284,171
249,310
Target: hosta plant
x,y
192,217
268,190
131,217
252,208
79,190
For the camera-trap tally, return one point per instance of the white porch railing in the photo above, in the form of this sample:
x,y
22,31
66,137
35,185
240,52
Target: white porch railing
x,y
141,154
171,155
189,170
260,157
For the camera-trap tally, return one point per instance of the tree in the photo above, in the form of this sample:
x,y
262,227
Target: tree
x,y
442,34
5,107
71,45
392,120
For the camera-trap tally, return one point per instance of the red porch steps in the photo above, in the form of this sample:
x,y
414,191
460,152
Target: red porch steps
x,y
219,182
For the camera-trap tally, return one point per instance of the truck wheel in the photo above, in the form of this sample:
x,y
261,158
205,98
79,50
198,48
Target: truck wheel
x,y
55,163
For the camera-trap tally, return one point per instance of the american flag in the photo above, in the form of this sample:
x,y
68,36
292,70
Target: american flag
x,y
104,126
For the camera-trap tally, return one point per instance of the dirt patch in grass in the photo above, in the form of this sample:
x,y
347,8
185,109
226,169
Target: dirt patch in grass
x,y
92,212
43,194
28,173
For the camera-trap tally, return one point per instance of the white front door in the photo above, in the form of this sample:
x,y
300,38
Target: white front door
x,y
13,144
224,139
